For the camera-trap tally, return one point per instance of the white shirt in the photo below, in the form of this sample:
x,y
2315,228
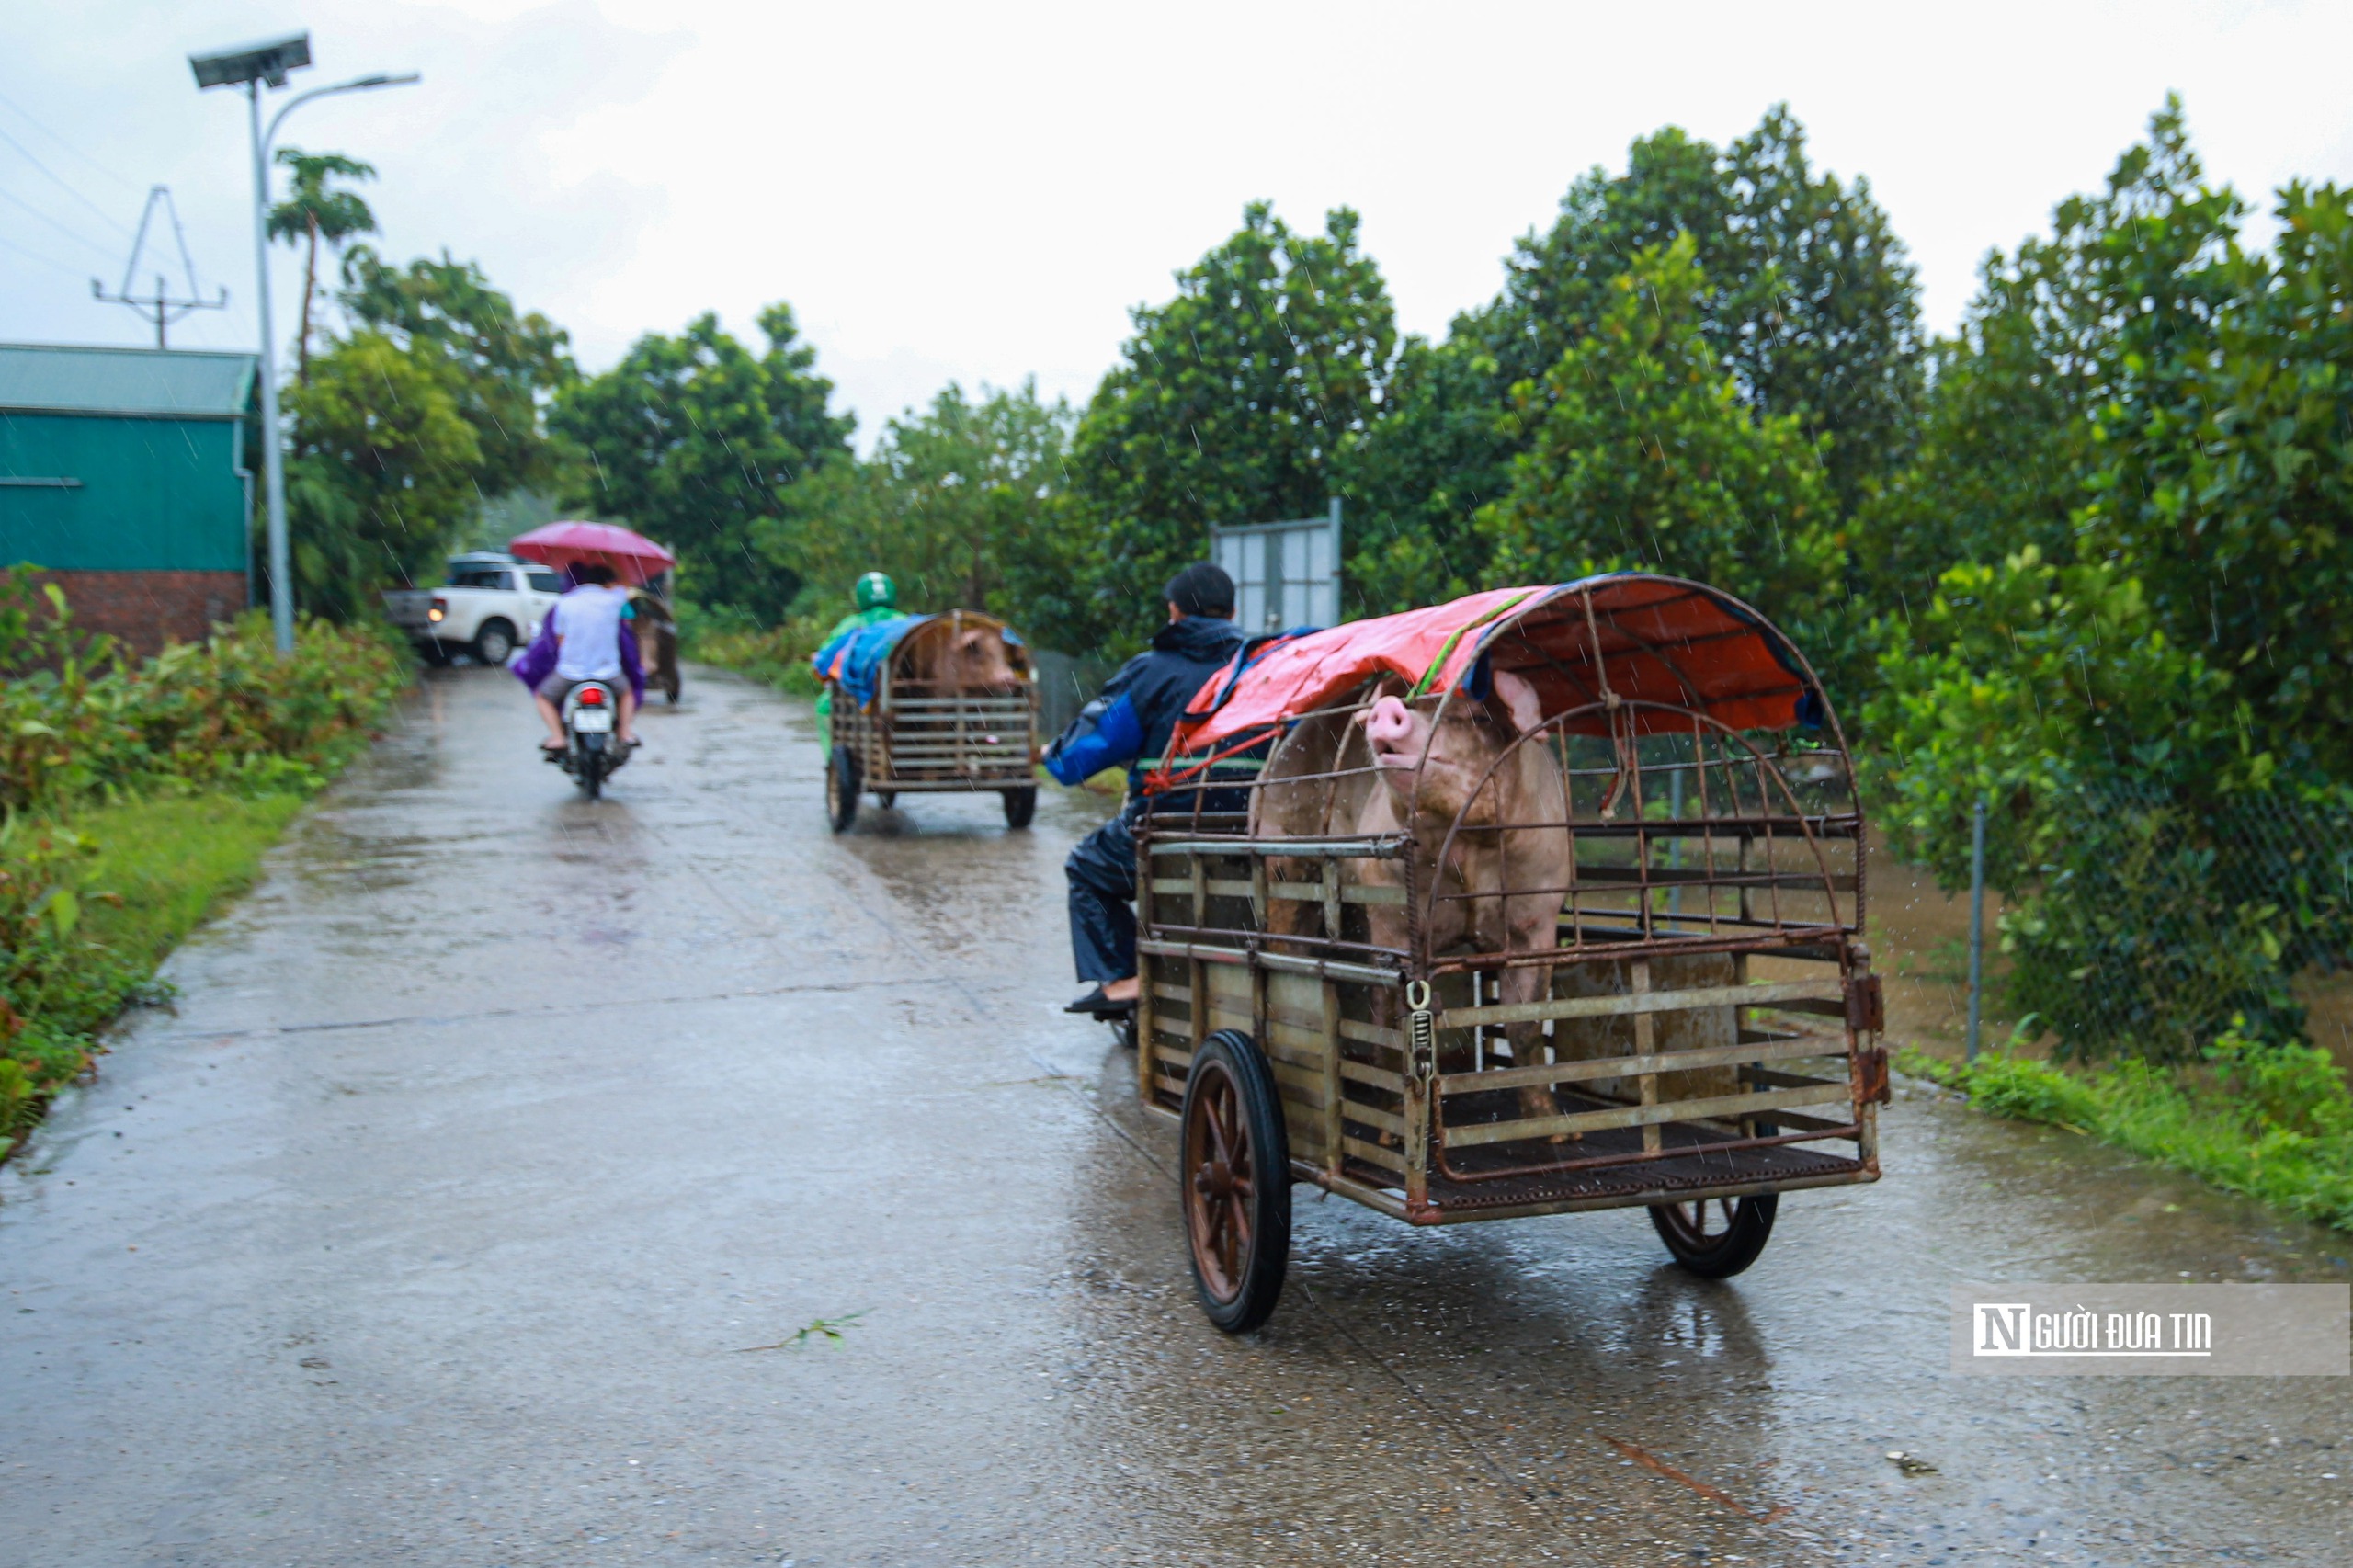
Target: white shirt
x,y
589,632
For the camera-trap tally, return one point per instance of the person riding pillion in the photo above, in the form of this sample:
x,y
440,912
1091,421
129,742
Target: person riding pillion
x,y
1128,726
876,598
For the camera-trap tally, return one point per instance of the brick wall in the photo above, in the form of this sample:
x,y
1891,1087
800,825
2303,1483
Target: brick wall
x,y
147,609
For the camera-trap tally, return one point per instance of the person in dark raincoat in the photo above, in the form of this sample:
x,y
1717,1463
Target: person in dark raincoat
x,y
1128,726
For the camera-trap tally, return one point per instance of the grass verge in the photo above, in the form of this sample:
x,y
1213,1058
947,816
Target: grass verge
x,y
143,874
2273,1122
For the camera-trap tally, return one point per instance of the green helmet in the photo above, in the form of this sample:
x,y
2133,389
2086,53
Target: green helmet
x,y
875,589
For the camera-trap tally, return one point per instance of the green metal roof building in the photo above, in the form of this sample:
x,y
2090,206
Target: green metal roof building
x,y
129,461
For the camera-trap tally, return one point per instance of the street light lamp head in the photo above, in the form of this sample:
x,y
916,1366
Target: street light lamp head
x,y
268,62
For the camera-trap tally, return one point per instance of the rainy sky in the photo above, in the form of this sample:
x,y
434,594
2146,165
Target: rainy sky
x,y
980,191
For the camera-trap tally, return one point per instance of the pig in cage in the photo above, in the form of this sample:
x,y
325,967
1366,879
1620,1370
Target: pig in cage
x,y
1548,898
930,703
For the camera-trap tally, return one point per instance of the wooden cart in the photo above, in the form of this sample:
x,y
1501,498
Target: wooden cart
x,y
657,640
924,736
1707,1039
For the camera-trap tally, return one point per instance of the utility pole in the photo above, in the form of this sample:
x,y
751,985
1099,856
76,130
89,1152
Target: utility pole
x,y
159,307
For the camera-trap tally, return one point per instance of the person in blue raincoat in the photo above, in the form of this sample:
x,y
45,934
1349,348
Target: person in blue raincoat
x,y
1128,726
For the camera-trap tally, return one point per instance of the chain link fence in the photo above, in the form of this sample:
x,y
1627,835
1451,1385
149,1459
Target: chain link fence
x,y
2164,925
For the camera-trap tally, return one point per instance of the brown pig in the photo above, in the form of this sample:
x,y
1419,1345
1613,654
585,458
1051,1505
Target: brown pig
x,y
961,658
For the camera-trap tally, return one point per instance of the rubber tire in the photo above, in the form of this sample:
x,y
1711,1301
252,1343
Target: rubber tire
x,y
841,789
1719,1257
886,799
1020,806
592,771
1231,1055
493,634
435,651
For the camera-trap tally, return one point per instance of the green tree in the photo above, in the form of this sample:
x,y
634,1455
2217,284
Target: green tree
x,y
502,363
696,442
1642,455
958,503
1229,404
2223,449
1811,304
311,213
1415,480
382,474
2008,447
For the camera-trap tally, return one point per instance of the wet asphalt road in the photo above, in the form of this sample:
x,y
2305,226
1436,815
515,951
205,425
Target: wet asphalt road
x,y
442,1221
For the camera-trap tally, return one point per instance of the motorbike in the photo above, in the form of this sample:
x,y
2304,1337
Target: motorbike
x,y
592,752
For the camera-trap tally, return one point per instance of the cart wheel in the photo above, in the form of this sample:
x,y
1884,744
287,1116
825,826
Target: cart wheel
x,y
1715,1238
886,799
841,791
1235,1177
1021,805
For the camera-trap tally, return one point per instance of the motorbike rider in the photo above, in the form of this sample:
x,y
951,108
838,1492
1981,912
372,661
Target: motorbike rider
x,y
586,624
876,598
1129,725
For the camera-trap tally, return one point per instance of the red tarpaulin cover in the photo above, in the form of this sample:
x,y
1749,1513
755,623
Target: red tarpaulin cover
x,y
1648,638
635,559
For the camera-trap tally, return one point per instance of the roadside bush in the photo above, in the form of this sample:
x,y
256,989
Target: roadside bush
x,y
82,725
78,716
778,655
2165,877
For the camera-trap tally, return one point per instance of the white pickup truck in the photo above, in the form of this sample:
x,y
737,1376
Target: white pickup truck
x,y
491,606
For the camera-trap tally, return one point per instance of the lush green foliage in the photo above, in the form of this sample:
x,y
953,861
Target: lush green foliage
x,y
694,441
314,212
1229,404
499,363
1643,456
1809,302
407,421
2136,450
2272,1121
381,478
958,503
132,793
79,718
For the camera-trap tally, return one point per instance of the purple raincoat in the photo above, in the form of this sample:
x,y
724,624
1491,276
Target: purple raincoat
x,y
539,658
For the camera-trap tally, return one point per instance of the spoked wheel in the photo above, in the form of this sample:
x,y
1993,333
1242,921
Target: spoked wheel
x,y
1715,1238
841,789
1020,806
1236,1182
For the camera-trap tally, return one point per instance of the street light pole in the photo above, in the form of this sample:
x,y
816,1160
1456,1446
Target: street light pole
x,y
273,457
252,68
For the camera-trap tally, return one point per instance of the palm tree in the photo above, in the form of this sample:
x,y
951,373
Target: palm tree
x,y
313,210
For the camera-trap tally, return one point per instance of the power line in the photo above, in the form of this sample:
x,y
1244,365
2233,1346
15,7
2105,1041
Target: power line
x,y
64,185
25,115
44,260
15,200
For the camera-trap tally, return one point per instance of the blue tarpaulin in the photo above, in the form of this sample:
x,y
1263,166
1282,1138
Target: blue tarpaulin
x,y
854,660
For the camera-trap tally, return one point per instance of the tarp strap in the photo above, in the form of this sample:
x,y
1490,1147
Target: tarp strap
x,y
1445,653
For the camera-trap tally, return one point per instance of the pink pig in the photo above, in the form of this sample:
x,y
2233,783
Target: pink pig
x,y
1437,773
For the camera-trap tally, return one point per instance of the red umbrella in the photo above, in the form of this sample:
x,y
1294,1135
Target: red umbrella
x,y
633,558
